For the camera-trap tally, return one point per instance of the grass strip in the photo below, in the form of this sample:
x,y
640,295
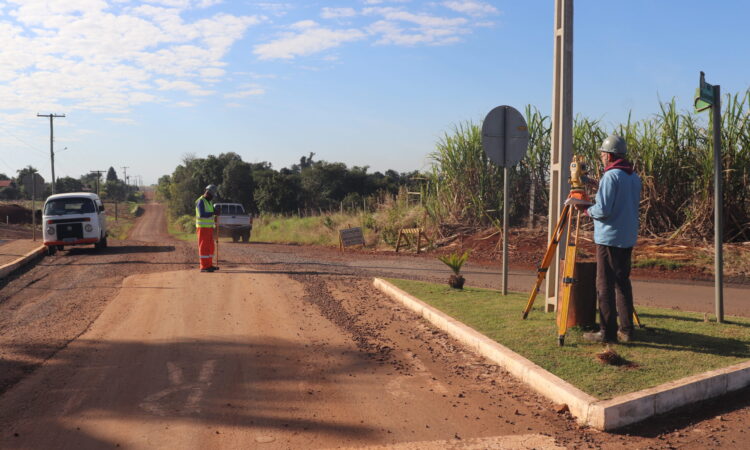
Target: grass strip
x,y
672,345
120,228
315,230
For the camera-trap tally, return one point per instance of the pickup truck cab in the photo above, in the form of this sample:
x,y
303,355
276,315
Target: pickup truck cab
x,y
232,220
75,218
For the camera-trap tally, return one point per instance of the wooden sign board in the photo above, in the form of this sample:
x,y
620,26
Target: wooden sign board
x,y
351,236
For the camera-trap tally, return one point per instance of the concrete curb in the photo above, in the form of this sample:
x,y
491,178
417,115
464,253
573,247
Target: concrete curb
x,y
603,415
9,268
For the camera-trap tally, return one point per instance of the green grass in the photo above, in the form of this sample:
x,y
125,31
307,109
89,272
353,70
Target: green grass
x,y
658,262
119,229
673,345
319,230
177,232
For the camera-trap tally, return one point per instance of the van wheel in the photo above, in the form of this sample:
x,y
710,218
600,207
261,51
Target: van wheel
x,y
102,244
235,237
51,250
246,236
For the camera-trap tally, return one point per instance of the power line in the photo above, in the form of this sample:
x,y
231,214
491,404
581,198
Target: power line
x,y
41,152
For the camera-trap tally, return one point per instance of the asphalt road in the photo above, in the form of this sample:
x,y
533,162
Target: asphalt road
x,y
284,347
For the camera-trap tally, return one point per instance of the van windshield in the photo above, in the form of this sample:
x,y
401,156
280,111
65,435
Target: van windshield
x,y
62,206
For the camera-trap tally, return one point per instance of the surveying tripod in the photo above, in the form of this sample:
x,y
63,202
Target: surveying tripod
x,y
577,196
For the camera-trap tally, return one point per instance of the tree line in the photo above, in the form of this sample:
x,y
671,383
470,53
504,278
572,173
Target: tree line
x,y
111,188
311,186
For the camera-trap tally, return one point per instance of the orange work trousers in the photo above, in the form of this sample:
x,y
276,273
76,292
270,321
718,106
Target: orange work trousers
x,y
206,247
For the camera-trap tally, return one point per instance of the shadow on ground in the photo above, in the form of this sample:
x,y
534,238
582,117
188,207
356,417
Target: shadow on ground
x,y
273,384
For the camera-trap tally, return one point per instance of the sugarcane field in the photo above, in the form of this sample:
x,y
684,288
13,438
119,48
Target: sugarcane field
x,y
374,224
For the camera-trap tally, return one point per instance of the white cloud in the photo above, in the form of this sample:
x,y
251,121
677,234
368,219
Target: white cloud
x,y
399,27
471,7
303,24
308,38
251,92
184,104
335,13
107,56
125,120
212,72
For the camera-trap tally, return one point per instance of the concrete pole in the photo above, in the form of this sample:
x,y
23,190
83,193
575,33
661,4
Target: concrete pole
x,y
562,135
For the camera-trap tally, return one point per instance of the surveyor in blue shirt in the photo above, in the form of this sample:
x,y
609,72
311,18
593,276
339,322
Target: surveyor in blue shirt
x,y
615,214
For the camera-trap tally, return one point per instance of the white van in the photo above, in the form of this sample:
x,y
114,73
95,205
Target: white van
x,y
75,218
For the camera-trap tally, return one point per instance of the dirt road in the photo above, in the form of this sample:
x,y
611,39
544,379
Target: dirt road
x,y
280,349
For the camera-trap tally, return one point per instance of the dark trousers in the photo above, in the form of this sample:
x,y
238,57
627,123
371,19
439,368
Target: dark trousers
x,y
614,290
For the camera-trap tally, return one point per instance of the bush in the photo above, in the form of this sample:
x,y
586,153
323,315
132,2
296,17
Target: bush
x,y
186,223
393,214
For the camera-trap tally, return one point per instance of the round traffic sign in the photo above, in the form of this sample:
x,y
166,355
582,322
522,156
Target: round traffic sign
x,y
505,136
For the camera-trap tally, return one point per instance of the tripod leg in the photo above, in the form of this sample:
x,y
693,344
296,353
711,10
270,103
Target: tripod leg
x,y
547,260
568,280
637,319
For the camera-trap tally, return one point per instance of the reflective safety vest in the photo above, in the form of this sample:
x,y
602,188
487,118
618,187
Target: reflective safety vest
x,y
204,222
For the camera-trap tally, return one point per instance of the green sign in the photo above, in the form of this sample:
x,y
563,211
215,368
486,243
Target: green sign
x,y
704,95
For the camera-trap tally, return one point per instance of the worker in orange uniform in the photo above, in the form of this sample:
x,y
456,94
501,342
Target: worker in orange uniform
x,y
204,225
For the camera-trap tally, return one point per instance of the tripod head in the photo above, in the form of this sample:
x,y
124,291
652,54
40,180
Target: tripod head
x,y
578,177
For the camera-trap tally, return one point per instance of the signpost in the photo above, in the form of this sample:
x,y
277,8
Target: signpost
x,y
350,236
36,182
709,96
505,139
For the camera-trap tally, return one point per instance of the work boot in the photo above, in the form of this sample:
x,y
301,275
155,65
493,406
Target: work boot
x,y
596,337
214,268
207,270
624,337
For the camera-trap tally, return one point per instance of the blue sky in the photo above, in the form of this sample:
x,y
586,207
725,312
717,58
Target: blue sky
x,y
367,82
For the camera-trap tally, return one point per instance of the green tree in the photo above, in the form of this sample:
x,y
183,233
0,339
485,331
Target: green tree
x,y
68,184
115,190
22,173
237,185
111,174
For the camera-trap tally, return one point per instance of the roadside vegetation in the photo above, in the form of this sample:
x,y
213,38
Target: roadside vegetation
x,y
673,345
120,222
461,193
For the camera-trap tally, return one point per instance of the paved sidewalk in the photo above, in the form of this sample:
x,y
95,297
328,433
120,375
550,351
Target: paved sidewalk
x,y
12,249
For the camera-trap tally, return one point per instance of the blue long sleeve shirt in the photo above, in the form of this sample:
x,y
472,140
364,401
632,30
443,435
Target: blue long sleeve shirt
x,y
615,212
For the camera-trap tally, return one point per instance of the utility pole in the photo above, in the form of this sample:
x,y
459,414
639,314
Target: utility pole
x,y
98,176
562,135
125,173
51,144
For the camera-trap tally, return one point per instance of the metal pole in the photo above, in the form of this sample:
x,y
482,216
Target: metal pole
x,y
718,206
505,230
33,206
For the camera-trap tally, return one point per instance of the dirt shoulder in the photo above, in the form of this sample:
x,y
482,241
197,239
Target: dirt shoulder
x,y
286,346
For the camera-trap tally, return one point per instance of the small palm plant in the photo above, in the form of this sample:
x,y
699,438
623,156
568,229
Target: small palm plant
x,y
455,261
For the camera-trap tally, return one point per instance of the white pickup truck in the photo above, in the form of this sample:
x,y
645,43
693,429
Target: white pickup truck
x,y
233,221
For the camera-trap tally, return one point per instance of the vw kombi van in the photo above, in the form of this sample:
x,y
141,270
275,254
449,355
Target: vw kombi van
x,y
75,218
